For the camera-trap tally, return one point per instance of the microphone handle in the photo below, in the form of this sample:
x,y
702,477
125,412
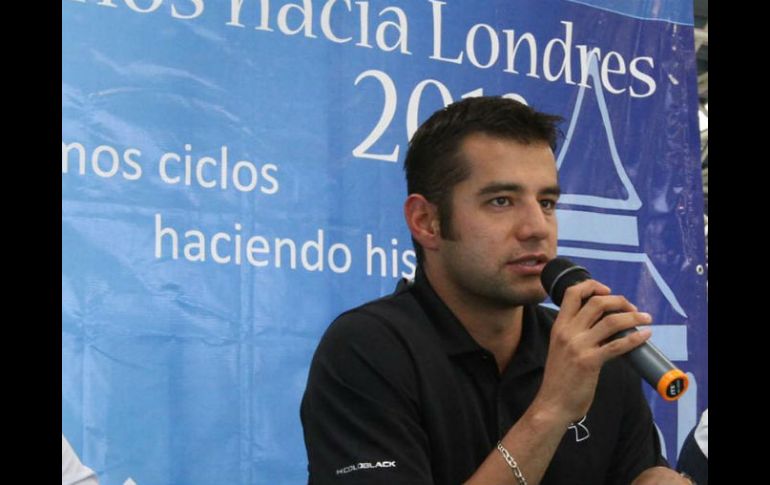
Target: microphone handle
x,y
650,363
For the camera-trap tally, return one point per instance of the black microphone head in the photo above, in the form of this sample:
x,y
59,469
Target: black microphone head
x,y
559,274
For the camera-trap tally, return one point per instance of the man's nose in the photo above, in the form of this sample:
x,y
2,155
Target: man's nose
x,y
532,222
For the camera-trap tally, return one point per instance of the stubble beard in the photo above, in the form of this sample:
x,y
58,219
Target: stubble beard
x,y
495,289
502,293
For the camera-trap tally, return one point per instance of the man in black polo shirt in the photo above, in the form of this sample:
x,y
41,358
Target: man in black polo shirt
x,y
459,376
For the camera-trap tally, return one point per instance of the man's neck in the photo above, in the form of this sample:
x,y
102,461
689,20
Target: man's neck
x,y
494,327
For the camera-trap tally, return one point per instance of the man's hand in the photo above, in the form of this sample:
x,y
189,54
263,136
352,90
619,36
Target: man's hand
x,y
580,345
661,475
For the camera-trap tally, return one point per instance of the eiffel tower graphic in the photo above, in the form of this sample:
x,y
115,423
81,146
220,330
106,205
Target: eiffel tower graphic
x,y
602,228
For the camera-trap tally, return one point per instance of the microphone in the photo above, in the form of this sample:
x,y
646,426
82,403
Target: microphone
x,y
649,362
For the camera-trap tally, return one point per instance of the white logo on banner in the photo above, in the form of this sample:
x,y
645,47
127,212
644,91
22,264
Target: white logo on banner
x,y
618,229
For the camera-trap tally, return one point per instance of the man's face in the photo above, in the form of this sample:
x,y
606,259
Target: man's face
x,y
503,228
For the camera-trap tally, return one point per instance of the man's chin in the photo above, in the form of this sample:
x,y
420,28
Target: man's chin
x,y
520,298
536,299
532,296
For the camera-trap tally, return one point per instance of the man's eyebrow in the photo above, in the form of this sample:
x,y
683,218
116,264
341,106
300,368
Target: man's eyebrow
x,y
552,190
500,187
512,187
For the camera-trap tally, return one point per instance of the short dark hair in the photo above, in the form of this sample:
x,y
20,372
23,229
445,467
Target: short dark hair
x,y
433,164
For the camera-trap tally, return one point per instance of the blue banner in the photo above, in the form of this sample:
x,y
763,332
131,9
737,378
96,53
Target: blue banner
x,y
232,181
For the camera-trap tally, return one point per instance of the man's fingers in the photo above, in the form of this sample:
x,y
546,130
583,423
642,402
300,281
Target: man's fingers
x,y
575,295
623,345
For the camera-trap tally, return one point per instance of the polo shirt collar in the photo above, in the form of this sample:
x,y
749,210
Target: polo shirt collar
x,y
456,340
533,346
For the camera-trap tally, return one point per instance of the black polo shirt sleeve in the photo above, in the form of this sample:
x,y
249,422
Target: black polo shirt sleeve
x,y
360,411
638,446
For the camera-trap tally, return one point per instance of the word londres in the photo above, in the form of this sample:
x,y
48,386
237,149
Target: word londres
x,y
561,58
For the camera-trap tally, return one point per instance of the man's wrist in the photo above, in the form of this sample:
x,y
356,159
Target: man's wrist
x,y
543,417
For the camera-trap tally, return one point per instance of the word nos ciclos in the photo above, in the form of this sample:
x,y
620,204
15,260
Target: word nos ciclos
x,y
173,168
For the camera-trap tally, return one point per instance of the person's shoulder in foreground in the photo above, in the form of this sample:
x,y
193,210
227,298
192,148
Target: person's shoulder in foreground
x,y
73,472
693,457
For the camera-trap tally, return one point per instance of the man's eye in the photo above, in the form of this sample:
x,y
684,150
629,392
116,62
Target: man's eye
x,y
500,201
548,204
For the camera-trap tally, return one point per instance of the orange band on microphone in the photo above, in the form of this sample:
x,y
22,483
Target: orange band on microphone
x,y
673,384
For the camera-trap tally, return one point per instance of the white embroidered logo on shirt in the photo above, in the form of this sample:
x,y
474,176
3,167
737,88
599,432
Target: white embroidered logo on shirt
x,y
366,465
581,432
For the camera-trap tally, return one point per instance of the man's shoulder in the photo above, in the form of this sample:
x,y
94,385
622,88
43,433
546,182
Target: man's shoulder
x,y
387,334
398,309
397,317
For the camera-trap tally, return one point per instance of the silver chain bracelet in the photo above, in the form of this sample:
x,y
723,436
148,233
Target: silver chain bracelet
x,y
512,463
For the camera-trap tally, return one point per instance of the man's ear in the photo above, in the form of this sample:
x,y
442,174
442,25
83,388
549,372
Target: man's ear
x,y
423,221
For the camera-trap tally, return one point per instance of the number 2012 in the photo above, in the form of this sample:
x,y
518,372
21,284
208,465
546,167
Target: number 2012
x,y
363,150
